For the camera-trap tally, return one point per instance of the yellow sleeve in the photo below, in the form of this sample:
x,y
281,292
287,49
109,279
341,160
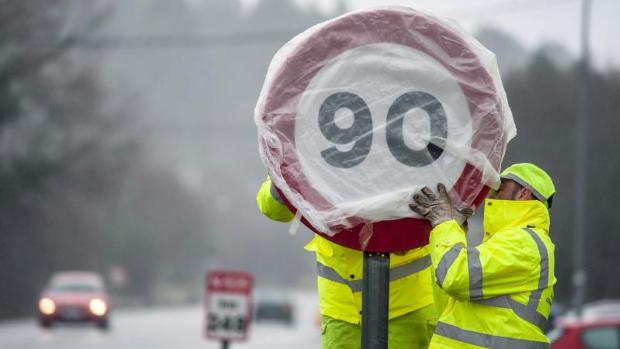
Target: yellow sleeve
x,y
448,246
271,205
505,264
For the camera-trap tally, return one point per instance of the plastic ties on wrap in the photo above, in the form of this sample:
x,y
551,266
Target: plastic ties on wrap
x,y
365,235
295,223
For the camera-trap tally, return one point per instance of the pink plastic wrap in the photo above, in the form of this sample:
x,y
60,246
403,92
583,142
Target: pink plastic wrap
x,y
359,112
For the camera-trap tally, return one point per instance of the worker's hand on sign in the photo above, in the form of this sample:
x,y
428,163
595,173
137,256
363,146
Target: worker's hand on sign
x,y
438,208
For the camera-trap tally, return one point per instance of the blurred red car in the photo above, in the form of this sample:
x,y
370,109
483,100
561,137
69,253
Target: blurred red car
x,y
74,296
586,333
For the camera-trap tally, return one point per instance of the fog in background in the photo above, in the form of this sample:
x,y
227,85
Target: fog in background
x,y
127,142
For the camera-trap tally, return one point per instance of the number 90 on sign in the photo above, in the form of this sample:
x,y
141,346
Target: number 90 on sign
x,y
361,131
367,130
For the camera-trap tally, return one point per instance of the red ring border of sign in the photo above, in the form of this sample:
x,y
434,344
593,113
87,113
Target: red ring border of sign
x,y
321,46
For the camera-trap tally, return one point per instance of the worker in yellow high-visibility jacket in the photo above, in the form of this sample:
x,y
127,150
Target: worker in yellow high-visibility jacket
x,y
500,291
411,311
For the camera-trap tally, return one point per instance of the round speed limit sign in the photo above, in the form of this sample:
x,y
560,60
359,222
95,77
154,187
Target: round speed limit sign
x,y
359,112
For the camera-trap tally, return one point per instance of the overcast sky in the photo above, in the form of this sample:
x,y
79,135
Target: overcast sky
x,y
532,21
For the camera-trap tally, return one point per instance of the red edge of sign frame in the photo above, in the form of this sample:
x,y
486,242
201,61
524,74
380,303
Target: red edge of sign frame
x,y
350,238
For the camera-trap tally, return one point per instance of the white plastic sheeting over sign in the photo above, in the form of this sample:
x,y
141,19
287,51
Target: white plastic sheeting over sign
x,y
359,112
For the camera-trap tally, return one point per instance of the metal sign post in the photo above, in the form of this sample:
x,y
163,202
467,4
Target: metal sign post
x,y
581,163
375,300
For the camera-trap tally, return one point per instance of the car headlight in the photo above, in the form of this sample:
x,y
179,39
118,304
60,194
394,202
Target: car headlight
x,y
97,307
47,306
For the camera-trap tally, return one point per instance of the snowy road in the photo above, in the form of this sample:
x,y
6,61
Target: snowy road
x,y
170,328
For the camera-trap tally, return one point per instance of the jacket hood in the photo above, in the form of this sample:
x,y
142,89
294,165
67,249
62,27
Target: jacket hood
x,y
504,214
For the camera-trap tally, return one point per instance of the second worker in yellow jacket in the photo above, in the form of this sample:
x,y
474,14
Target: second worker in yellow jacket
x,y
500,291
411,311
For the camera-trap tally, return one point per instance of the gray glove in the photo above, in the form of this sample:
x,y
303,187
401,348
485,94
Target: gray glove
x,y
438,208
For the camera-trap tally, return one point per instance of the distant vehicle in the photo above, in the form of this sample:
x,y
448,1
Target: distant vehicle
x,y
586,333
278,309
74,296
597,327
598,309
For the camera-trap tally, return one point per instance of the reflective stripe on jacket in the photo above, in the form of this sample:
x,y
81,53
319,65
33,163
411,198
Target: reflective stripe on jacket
x,y
340,271
501,291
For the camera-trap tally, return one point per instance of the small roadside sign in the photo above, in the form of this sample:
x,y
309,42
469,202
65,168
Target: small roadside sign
x,y
228,305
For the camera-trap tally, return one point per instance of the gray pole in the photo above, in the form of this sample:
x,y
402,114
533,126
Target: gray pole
x,y
225,344
581,162
375,300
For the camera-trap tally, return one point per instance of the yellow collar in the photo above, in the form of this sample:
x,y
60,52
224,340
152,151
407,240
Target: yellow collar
x,y
503,214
